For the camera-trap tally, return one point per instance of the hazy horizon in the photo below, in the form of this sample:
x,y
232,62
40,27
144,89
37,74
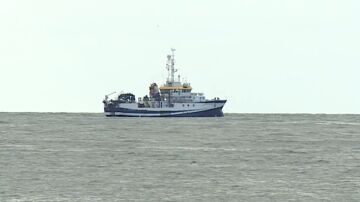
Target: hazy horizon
x,y
262,56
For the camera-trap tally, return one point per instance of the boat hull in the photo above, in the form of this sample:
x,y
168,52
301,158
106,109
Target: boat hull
x,y
215,111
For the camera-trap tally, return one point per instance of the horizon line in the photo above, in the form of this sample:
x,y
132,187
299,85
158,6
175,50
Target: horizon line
x,y
269,113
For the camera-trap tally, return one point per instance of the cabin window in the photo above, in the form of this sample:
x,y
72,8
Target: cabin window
x,y
183,105
188,105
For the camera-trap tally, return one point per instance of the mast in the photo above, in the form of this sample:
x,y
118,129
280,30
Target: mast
x,y
170,66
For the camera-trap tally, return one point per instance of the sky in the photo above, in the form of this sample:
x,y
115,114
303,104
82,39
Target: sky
x,y
263,56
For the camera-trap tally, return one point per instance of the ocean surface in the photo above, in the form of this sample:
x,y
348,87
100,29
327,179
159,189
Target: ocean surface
x,y
240,157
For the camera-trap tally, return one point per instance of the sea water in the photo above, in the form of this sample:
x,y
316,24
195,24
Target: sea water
x,y
239,157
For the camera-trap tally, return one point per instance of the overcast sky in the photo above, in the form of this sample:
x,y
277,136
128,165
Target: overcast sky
x,y
264,56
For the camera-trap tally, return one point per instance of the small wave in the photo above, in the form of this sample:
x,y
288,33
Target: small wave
x,y
17,198
338,123
23,146
189,148
281,134
295,151
323,161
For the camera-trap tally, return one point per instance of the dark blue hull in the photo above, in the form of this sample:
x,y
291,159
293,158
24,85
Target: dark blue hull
x,y
121,112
